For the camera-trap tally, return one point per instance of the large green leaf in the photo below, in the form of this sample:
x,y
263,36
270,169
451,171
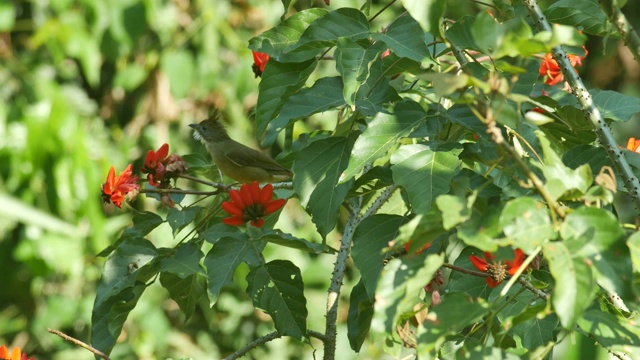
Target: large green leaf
x,y
183,261
353,60
401,282
574,289
223,259
122,283
428,13
317,170
613,332
405,38
179,219
382,133
279,81
325,32
276,287
614,105
359,316
186,292
527,223
425,171
588,16
372,235
275,41
457,311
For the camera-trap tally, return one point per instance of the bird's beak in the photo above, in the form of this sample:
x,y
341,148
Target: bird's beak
x,y
195,126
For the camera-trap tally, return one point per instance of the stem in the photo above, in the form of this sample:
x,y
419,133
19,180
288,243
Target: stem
x,y
340,266
586,102
255,343
617,18
79,343
178,191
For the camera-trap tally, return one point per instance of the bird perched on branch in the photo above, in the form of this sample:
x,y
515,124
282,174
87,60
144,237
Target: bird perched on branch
x,y
237,161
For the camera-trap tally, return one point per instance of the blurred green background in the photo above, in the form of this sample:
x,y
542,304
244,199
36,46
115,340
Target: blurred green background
x,y
88,84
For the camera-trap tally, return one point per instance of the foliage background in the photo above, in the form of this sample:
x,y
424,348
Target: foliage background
x,y
88,84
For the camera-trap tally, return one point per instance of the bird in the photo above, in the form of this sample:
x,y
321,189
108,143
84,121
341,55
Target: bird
x,y
235,160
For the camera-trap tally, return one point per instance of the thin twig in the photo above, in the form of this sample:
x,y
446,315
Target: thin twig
x,y
178,191
255,343
79,343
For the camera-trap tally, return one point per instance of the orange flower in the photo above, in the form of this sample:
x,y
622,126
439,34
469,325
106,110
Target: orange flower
x,y
634,145
16,354
250,204
259,61
117,187
551,70
497,270
157,164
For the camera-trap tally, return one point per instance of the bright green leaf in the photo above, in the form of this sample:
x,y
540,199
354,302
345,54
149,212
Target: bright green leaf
x,y
405,38
179,219
526,221
427,12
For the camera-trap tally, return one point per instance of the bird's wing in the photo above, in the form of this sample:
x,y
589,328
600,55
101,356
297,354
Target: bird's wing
x,y
249,157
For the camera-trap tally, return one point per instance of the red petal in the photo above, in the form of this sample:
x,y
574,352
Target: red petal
x,y
237,199
234,221
489,256
162,152
492,283
109,186
245,194
4,352
257,224
274,206
254,191
479,263
231,208
150,161
517,261
266,194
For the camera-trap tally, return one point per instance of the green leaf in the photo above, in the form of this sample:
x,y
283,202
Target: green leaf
x,y
376,93
587,17
318,168
527,223
427,12
398,290
634,246
382,133
461,34
184,261
325,32
445,84
372,235
421,230
325,94
179,66
179,219
293,242
455,209
186,292
563,181
612,332
614,105
425,172
277,288
482,230
279,81
122,283
450,317
474,286
575,288
359,316
405,38
275,41
223,259
353,60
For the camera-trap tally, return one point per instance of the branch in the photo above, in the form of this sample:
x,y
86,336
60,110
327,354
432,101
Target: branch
x,y
340,265
617,18
586,102
255,343
79,343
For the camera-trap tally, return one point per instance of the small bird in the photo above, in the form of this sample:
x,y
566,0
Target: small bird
x,y
239,162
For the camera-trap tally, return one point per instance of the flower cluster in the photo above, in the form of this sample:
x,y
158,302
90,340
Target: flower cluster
x,y
117,187
259,61
15,354
497,270
250,203
160,166
550,69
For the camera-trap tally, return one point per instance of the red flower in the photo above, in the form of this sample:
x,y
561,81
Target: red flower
x,y
250,204
259,61
157,164
116,187
634,145
497,270
16,354
551,70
